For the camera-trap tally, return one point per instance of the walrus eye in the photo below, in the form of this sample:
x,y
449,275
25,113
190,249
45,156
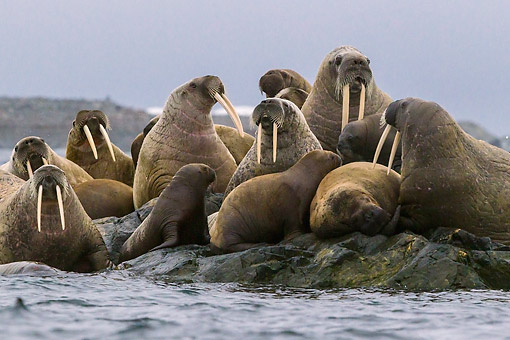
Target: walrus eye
x,y
368,61
15,149
350,138
193,85
338,60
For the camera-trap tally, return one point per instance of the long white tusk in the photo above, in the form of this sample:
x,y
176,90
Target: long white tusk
x,y
381,143
91,140
227,105
29,169
45,161
61,207
259,141
362,102
345,108
394,148
275,141
39,207
107,139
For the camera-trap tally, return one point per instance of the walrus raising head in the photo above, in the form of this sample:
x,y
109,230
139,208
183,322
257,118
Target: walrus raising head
x,y
274,81
28,155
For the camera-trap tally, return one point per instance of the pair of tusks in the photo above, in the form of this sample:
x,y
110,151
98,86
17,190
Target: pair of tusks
x,y
60,207
29,167
394,148
345,102
93,145
259,141
227,105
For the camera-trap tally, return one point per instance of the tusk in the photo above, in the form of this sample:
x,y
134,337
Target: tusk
x,y
227,105
275,141
91,140
345,109
107,139
39,207
61,207
45,161
394,148
29,169
259,141
362,102
381,143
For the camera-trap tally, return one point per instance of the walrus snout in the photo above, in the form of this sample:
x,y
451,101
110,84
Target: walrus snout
x,y
271,83
374,220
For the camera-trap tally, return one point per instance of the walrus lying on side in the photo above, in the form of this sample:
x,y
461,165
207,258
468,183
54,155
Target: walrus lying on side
x,y
89,146
449,179
44,221
343,91
355,197
32,152
271,208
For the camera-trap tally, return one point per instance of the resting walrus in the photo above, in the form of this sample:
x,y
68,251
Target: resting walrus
x,y
44,221
344,90
274,81
271,208
185,134
449,179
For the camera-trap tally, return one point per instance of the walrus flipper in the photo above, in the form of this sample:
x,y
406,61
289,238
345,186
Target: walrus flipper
x,y
391,228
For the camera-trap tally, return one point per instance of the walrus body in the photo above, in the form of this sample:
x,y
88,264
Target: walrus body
x,y
294,140
105,198
271,208
359,139
68,242
32,153
137,142
324,106
355,197
274,81
9,184
184,134
293,94
27,267
95,153
179,215
449,179
238,146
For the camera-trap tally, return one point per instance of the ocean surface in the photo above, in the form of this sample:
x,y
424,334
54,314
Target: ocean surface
x,y
116,305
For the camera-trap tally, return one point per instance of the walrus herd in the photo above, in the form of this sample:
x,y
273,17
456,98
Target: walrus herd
x,y
332,158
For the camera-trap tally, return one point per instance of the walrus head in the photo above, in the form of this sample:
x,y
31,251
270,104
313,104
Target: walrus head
x,y
200,94
273,115
273,81
28,155
352,142
89,132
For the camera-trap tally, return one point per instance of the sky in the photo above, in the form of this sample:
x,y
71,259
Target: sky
x,y
456,53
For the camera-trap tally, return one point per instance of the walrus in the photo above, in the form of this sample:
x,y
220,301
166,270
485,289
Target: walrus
x,y
271,208
89,146
355,197
185,134
273,81
179,216
283,137
9,184
137,142
358,142
27,267
344,90
32,152
105,197
449,179
44,221
294,94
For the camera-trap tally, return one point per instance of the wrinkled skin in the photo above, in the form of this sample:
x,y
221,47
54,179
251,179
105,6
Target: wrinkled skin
x,y
9,184
274,81
323,107
359,139
271,208
179,216
34,148
79,151
79,247
184,134
355,197
294,141
449,179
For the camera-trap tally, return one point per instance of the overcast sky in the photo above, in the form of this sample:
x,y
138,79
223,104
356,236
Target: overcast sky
x,y
456,53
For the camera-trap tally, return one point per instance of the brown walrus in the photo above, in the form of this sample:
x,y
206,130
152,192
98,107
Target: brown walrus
x,y
179,215
271,208
273,81
105,197
9,184
44,221
32,152
185,134
355,197
284,139
89,146
344,90
295,95
449,179
137,142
